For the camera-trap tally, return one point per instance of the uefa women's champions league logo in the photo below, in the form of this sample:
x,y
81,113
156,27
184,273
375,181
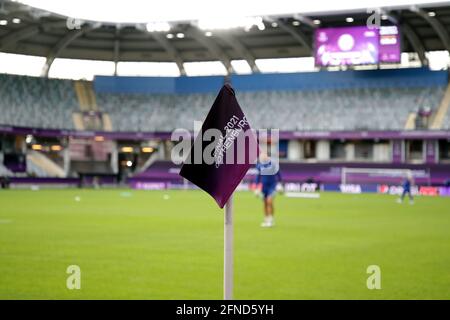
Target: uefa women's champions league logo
x,y
232,130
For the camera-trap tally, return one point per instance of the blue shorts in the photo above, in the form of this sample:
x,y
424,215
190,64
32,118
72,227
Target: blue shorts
x,y
269,191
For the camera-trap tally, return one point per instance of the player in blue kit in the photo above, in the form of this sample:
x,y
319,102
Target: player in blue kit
x,y
407,183
269,176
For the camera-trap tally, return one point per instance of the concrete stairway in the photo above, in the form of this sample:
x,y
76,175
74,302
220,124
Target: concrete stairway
x,y
86,96
411,121
88,105
43,165
439,116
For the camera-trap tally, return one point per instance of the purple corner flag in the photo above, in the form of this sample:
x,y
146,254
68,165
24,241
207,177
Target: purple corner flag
x,y
224,149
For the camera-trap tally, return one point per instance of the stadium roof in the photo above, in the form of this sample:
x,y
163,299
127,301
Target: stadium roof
x,y
143,11
32,31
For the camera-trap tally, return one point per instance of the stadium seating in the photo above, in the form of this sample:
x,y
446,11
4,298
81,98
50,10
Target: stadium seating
x,y
343,109
36,102
154,112
49,103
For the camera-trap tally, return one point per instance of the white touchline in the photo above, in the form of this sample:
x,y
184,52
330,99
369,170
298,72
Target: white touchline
x,y
308,195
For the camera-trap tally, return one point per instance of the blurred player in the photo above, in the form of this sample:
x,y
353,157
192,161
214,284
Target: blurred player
x,y
270,179
407,184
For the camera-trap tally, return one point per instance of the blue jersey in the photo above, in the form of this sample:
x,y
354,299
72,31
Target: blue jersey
x,y
407,185
268,180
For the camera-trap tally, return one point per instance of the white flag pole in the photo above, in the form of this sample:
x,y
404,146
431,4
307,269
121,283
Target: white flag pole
x,y
228,251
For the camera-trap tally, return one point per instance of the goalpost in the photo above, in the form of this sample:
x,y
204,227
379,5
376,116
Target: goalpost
x,y
376,173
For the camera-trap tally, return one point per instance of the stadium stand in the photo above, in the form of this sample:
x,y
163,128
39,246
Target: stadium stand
x,y
347,109
154,112
36,102
316,102
439,118
343,109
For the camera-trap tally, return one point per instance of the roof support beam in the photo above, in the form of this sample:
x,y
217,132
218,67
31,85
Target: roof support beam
x,y
116,52
240,49
415,42
436,25
171,51
61,45
212,47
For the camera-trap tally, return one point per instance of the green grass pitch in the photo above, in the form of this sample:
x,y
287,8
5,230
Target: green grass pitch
x,y
139,245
